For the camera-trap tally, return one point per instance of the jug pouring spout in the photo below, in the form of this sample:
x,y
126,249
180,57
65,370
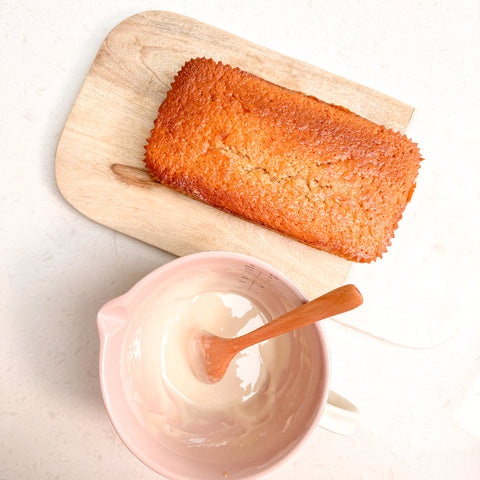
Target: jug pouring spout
x,y
112,317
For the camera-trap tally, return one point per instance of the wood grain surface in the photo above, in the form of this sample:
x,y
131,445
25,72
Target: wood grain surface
x,y
99,160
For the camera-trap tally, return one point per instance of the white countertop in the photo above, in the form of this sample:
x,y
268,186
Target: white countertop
x,y
420,407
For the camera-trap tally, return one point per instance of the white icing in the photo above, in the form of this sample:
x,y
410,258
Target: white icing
x,y
170,399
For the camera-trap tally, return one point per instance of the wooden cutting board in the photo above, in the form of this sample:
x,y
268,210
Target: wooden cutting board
x,y
99,159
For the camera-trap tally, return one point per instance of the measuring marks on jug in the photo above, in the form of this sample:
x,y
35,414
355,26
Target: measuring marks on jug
x,y
254,280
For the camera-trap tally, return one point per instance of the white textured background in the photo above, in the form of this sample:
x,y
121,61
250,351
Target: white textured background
x,y
420,408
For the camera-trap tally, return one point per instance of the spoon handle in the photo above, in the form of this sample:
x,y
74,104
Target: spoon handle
x,y
335,302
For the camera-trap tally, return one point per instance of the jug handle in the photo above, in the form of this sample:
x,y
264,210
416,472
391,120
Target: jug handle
x,y
340,416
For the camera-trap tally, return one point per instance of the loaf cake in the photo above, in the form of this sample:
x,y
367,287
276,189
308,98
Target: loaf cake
x,y
310,170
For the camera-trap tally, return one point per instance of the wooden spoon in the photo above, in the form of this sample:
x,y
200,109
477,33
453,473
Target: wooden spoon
x,y
212,355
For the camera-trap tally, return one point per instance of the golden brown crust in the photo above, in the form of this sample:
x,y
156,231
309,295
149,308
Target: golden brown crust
x,y
313,171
